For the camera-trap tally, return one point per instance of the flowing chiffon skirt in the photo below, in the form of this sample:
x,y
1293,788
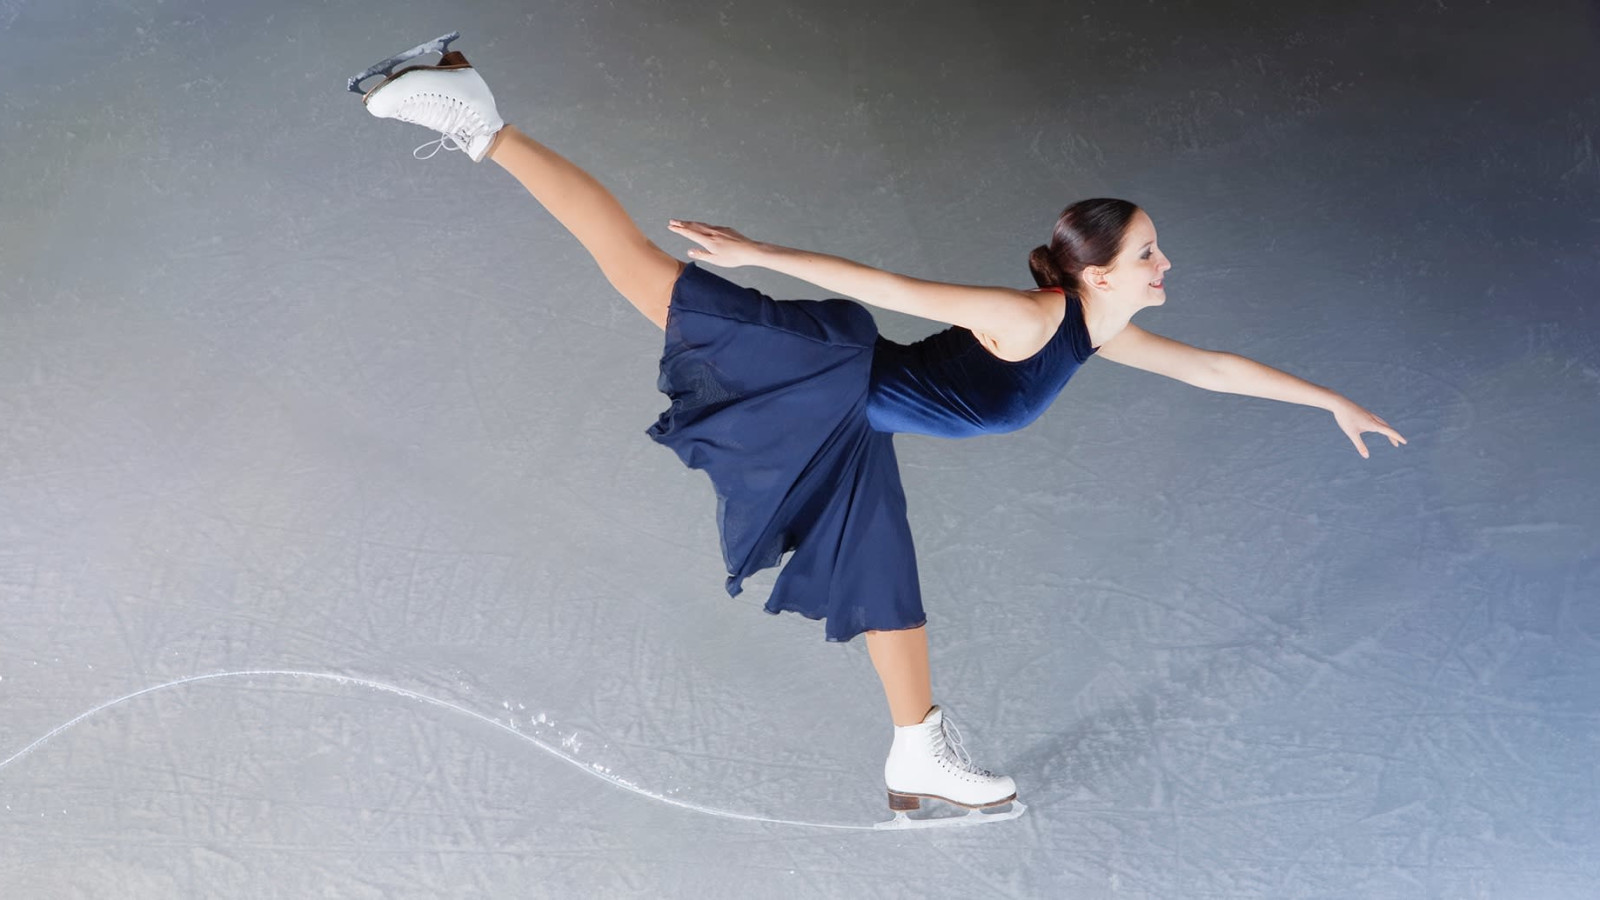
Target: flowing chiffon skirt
x,y
769,398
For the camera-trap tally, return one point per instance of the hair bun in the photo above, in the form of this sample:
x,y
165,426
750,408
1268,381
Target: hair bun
x,y
1043,266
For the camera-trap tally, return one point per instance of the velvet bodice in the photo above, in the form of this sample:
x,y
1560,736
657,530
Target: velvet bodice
x,y
949,385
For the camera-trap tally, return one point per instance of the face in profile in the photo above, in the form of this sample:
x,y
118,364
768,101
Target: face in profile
x,y
1139,271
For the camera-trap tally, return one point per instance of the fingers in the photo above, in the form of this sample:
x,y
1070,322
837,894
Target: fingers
x,y
1383,428
695,227
719,245
1353,431
1355,422
1361,446
694,231
1387,430
702,234
1395,438
687,229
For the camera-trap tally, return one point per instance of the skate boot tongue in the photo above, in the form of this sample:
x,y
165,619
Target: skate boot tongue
x,y
952,743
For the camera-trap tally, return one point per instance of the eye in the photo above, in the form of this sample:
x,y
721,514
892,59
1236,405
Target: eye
x,y
1145,255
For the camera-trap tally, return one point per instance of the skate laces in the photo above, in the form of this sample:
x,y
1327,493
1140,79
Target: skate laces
x,y
454,120
950,737
445,141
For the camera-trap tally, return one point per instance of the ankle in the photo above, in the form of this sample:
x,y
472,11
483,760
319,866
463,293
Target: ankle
x,y
495,142
906,722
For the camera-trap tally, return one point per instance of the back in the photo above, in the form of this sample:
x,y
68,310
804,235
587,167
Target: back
x,y
949,385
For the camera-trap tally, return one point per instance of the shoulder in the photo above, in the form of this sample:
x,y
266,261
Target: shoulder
x,y
1034,321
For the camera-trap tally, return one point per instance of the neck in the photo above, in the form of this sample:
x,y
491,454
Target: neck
x,y
1104,317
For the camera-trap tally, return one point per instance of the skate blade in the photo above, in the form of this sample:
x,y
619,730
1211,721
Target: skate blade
x,y
973,817
386,67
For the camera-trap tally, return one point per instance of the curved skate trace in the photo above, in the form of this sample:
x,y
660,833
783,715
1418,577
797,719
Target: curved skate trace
x,y
900,820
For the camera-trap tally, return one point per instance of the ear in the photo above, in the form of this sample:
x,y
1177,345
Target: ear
x,y
1095,277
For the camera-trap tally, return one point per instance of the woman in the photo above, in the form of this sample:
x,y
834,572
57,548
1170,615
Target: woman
x,y
790,406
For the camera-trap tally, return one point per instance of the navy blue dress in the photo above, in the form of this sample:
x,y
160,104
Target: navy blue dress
x,y
791,406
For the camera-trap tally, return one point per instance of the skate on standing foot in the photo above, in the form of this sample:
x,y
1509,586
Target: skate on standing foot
x,y
927,761
449,97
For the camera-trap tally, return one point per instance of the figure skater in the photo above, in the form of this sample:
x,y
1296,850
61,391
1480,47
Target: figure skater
x,y
790,406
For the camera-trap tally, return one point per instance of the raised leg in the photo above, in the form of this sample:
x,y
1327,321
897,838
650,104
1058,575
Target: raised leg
x,y
901,658
635,266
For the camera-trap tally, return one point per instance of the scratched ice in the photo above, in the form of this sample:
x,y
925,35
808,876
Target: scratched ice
x,y
333,561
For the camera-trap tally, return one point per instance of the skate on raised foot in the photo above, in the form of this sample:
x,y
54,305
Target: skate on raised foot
x,y
927,762
449,97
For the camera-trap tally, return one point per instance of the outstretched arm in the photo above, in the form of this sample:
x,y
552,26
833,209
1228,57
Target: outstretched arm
x,y
990,310
1233,374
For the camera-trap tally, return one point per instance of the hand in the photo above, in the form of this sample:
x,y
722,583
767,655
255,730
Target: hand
x,y
1355,422
719,245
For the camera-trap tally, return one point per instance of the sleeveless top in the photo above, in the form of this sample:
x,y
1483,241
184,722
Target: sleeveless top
x,y
949,385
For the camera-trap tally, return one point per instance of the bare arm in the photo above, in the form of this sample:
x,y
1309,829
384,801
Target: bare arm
x,y
1234,374
1230,373
991,310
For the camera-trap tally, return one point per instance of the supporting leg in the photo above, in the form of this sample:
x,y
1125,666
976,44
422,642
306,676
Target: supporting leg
x,y
926,760
635,266
901,658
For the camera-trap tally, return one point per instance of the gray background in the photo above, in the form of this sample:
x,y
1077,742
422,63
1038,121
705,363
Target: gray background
x,y
277,397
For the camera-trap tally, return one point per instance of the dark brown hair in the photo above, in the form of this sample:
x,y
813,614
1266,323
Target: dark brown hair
x,y
1089,233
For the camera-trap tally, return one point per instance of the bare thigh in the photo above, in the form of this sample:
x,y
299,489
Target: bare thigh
x,y
647,282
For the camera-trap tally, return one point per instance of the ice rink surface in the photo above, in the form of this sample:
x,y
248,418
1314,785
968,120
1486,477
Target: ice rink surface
x,y
279,399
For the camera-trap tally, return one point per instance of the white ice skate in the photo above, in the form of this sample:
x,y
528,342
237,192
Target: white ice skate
x,y
927,761
449,97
